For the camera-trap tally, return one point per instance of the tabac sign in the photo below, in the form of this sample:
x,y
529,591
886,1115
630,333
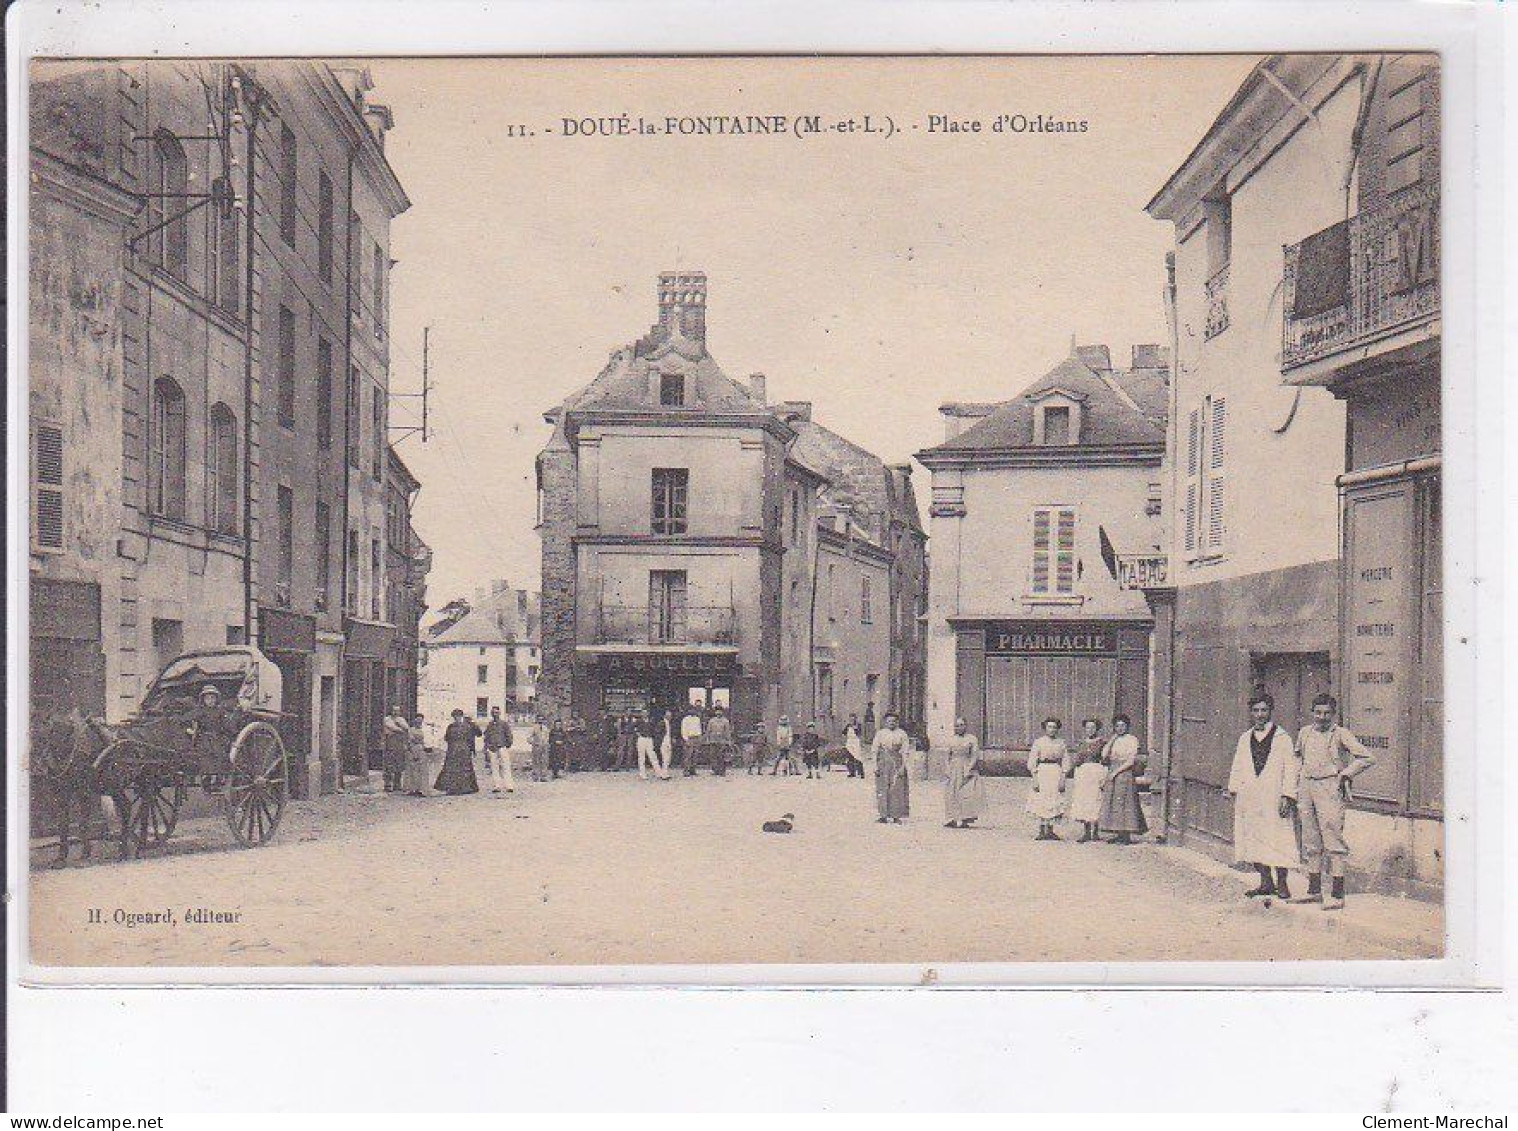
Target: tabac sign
x,y
1051,638
1143,571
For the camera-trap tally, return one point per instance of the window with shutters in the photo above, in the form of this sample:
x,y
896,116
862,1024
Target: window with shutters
x,y
166,450
350,577
1054,565
323,394
381,434
289,169
376,581
47,487
1204,509
221,496
285,512
866,603
286,362
377,283
324,226
323,555
354,417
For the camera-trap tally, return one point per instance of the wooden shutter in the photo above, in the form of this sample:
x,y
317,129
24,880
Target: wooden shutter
x,y
1064,553
48,478
1041,555
1216,516
1193,460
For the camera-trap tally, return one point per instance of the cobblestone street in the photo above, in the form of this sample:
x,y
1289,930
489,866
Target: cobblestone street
x,y
605,868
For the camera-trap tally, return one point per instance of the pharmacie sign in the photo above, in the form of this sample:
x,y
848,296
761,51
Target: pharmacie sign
x,y
1051,638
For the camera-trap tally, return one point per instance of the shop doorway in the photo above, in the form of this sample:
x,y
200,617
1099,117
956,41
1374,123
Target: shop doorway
x,y
1291,679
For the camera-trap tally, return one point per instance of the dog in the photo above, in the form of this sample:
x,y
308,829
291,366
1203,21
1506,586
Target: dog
x,y
783,825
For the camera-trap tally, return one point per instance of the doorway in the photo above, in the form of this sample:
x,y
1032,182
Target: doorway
x,y
1291,679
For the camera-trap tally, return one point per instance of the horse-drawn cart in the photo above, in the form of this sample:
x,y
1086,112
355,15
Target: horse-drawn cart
x,y
208,720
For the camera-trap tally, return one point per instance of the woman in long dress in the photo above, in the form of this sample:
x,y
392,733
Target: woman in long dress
x,y
416,760
964,792
889,751
458,761
1121,813
1048,762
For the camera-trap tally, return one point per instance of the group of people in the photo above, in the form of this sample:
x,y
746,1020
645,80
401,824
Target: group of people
x,y
1095,784
1289,796
1289,799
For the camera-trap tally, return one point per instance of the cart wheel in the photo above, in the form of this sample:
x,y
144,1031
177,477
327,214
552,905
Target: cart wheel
x,y
257,785
154,800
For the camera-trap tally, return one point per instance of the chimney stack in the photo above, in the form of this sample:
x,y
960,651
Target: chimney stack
x,y
1151,357
1095,358
758,388
682,303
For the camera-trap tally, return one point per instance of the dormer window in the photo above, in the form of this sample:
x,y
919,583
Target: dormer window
x,y
672,389
1057,419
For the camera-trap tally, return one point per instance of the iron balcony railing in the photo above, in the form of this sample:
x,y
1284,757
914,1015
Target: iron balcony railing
x,y
646,624
1362,279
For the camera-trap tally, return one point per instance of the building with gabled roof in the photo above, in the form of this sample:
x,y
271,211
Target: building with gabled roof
x,y
1033,499
683,519
489,657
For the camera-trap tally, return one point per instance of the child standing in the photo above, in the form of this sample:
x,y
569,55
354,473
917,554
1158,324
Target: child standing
x,y
1086,791
1048,762
784,739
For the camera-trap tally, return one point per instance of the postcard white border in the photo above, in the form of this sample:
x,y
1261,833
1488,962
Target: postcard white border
x,y
1469,37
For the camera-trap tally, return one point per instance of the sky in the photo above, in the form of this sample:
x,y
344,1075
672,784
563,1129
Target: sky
x,y
876,275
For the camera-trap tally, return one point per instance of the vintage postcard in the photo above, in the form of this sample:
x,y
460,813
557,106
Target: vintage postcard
x,y
553,513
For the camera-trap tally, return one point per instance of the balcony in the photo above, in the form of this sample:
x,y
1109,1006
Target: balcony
x,y
1363,280
644,624
1217,304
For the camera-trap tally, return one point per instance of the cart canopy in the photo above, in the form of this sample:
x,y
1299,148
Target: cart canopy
x,y
241,673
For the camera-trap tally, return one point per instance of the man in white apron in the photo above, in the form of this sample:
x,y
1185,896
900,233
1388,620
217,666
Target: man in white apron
x,y
1264,787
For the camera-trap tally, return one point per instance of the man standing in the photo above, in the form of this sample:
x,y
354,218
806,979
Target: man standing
x,y
558,749
498,752
538,736
719,741
690,739
1264,787
1329,757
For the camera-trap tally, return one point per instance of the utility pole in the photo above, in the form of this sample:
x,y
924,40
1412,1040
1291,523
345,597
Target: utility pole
x,y
400,434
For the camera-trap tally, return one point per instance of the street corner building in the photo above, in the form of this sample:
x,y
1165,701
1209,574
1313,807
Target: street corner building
x,y
705,548
1302,487
209,393
1034,499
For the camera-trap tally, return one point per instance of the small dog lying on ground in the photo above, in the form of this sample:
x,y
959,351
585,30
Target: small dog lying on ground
x,y
781,826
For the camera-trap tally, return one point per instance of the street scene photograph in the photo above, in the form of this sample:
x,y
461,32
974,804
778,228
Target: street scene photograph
x,y
733,511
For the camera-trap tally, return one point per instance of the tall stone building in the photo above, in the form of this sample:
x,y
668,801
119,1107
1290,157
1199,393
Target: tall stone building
x,y
1303,479
683,520
242,429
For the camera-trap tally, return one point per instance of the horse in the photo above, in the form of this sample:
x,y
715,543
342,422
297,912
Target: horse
x,y
67,770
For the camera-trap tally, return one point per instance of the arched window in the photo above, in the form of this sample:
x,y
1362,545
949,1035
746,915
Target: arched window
x,y
221,491
171,242
166,450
